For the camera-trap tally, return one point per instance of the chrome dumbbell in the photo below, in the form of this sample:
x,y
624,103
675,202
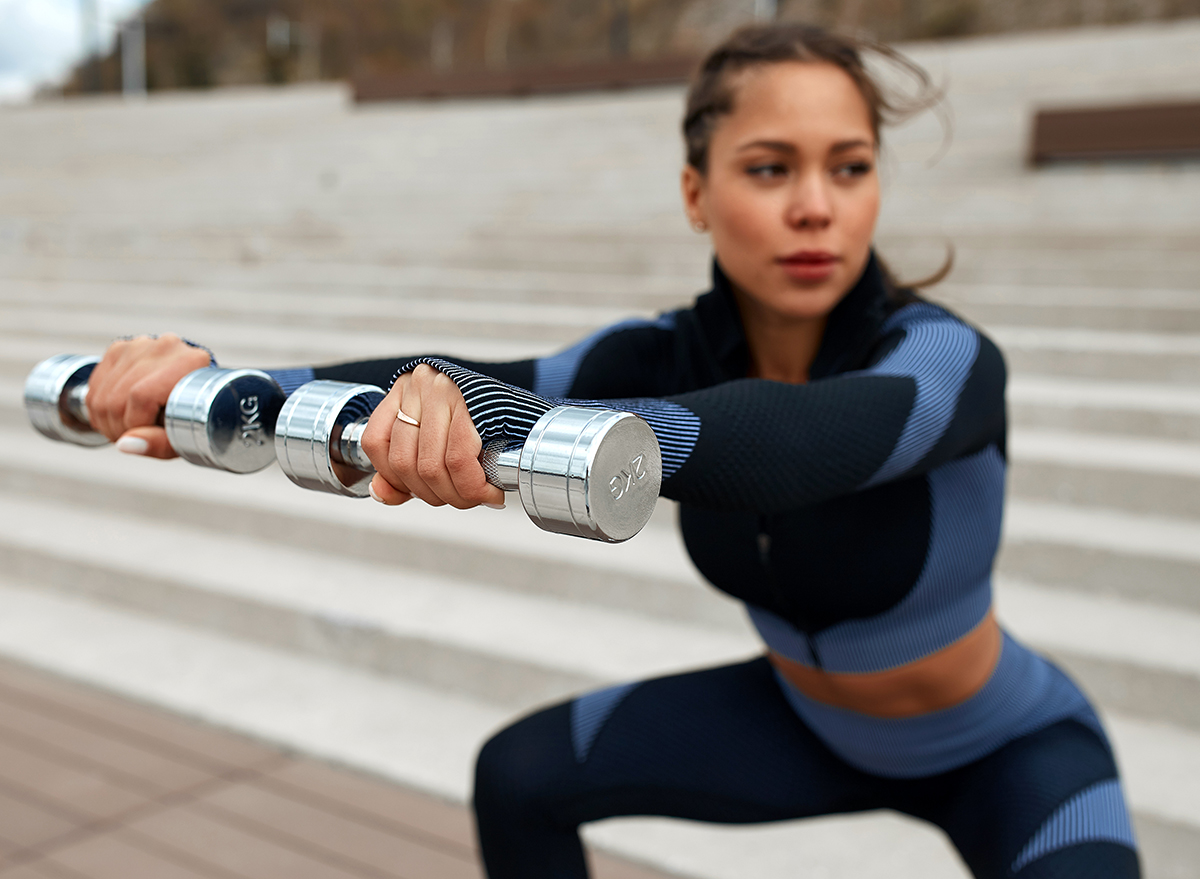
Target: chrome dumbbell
x,y
593,473
221,418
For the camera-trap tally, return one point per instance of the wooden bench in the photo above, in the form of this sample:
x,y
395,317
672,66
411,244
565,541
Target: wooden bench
x,y
1137,131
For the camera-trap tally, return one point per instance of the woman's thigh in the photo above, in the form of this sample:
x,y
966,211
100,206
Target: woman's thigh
x,y
1045,806
717,745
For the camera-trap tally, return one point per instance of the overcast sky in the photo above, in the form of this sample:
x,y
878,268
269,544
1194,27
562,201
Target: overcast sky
x,y
40,39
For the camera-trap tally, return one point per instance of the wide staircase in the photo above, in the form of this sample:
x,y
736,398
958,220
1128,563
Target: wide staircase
x,y
287,227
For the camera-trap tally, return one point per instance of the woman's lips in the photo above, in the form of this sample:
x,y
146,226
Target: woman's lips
x,y
809,265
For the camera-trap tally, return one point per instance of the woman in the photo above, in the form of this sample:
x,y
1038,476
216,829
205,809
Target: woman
x,y
837,448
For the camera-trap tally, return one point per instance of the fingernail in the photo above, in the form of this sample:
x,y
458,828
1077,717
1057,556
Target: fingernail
x,y
371,492
133,445
494,506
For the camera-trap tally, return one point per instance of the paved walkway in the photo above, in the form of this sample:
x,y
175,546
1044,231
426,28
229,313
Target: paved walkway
x,y
95,786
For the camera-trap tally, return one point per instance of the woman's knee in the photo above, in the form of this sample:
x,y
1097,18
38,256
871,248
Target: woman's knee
x,y
527,767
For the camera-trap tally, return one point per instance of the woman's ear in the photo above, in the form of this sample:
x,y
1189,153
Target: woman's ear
x,y
691,184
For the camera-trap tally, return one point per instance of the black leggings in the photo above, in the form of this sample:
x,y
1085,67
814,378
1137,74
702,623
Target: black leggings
x,y
722,745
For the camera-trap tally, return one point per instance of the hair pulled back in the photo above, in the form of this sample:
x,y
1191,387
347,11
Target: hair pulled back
x,y
713,90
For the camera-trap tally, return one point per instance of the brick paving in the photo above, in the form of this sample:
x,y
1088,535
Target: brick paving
x,y
96,786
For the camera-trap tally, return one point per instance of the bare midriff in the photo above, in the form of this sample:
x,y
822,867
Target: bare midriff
x,y
934,682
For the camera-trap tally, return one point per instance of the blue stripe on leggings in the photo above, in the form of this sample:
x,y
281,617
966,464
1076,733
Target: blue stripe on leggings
x,y
1096,814
589,713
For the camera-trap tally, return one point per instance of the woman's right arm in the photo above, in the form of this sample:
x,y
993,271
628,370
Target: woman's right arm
x,y
935,394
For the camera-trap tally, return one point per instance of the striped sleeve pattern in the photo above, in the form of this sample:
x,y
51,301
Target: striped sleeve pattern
x,y
503,413
499,411
290,380
937,353
770,446
675,427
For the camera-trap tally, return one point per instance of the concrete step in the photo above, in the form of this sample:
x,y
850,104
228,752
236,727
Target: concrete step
x,y
1100,354
1103,552
1160,477
408,316
263,347
1130,656
643,268
649,575
1086,405
990,251
421,297
355,288
1095,308
509,648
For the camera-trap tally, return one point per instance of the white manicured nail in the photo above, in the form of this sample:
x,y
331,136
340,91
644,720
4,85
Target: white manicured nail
x,y
494,506
133,445
371,492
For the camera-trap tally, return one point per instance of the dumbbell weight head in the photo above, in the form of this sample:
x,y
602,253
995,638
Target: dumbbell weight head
x,y
55,393
592,473
224,418
316,436
220,418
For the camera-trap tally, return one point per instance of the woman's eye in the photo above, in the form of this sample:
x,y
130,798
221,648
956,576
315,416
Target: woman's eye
x,y
852,169
768,171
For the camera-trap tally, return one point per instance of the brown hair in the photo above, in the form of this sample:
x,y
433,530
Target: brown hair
x,y
712,91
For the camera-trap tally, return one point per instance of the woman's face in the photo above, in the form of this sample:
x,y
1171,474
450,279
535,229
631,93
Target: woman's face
x,y
791,193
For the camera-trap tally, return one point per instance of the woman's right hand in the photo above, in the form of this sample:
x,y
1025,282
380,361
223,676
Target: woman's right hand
x,y
437,459
130,386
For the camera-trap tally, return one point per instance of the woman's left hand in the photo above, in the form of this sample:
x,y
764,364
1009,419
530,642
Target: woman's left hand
x,y
437,461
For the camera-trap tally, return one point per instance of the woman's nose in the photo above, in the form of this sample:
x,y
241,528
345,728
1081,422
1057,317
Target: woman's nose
x,y
809,205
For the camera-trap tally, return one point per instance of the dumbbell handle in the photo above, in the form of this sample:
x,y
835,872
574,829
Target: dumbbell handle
x,y
75,402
